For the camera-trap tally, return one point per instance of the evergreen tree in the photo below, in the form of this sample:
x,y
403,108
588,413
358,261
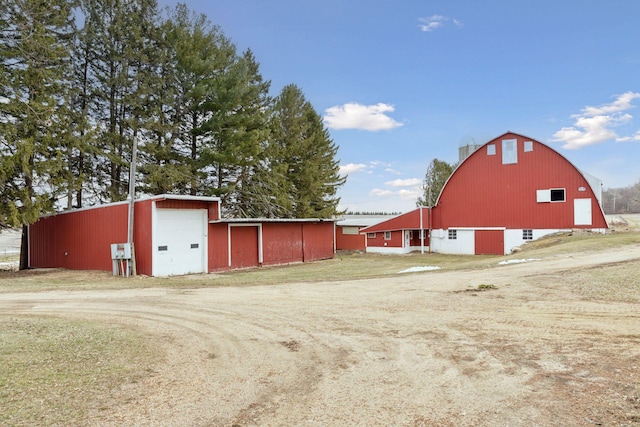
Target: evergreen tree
x,y
303,152
35,63
436,177
123,34
237,101
195,52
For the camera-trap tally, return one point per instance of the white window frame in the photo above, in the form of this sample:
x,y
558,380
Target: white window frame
x,y
544,196
387,235
452,234
491,150
350,230
509,151
371,235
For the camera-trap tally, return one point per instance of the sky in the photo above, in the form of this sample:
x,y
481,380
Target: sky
x,y
402,82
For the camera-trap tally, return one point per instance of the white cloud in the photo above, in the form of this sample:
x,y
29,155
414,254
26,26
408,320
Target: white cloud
x,y
358,116
352,167
410,182
381,192
594,124
412,194
434,22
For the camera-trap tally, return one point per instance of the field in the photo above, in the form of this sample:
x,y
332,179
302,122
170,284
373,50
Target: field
x,y
548,336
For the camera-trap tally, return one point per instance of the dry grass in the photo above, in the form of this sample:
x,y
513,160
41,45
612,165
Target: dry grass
x,y
611,282
49,366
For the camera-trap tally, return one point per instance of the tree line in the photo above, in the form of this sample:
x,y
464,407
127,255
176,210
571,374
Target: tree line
x,y
81,79
622,200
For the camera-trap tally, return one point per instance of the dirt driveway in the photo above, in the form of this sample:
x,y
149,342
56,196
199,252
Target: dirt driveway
x,y
418,350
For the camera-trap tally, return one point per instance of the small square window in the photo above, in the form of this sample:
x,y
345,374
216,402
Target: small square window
x,y
452,234
557,194
491,150
371,235
387,235
527,234
528,146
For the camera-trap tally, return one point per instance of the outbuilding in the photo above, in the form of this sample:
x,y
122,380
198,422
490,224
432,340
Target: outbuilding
x,y
175,235
510,190
348,236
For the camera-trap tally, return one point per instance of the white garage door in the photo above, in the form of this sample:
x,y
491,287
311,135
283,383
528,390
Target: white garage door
x,y
180,239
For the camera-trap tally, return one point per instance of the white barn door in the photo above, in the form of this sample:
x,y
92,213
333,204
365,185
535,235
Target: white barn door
x,y
180,242
582,212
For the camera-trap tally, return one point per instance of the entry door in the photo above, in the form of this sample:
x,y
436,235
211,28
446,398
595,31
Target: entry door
x,y
407,238
582,212
179,241
244,247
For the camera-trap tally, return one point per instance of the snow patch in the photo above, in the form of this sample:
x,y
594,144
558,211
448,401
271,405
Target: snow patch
x,y
423,268
517,261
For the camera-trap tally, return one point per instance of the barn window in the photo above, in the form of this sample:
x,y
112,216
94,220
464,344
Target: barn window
x,y
557,194
491,150
552,195
452,235
387,235
528,146
527,234
509,151
371,235
349,230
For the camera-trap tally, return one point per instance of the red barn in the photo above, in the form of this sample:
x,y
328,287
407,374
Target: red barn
x,y
511,190
175,235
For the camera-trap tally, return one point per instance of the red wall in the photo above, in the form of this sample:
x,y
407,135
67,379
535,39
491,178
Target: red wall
x,y
78,240
350,242
218,247
281,243
396,239
318,242
483,192
142,237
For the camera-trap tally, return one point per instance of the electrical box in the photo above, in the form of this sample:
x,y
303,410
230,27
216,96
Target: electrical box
x,y
121,259
120,251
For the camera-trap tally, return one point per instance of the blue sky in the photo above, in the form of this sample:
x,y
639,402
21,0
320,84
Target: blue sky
x,y
402,82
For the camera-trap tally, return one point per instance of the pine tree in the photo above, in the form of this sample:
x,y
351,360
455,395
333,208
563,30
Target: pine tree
x,y
123,35
237,101
301,149
435,178
35,63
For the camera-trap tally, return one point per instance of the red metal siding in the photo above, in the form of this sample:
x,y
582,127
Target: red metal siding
x,y
142,237
218,247
244,246
350,242
318,242
397,237
489,242
79,240
483,192
281,243
406,221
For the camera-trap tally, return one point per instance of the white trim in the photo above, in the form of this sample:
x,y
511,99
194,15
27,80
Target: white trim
x,y
154,240
477,228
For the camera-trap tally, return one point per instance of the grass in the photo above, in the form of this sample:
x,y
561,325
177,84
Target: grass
x,y
50,368
611,282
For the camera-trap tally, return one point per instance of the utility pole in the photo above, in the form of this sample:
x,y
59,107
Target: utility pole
x,y
132,197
